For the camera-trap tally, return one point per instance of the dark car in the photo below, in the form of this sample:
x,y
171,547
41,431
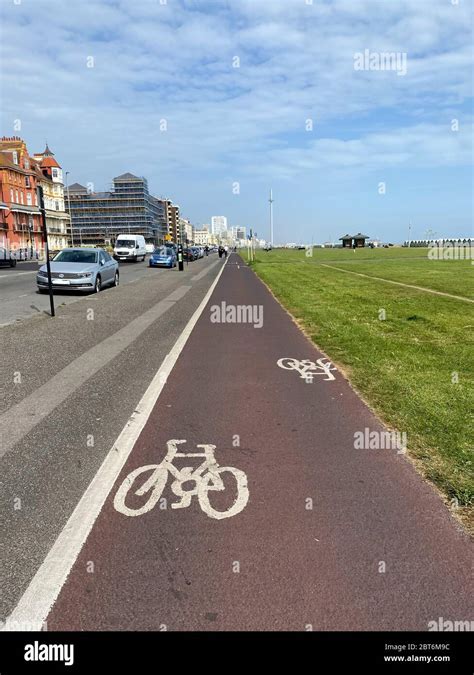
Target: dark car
x,y
189,254
6,258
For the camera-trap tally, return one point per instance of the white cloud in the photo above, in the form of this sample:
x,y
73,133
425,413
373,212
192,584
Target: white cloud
x,y
174,61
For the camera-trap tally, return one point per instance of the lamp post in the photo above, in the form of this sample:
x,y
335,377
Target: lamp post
x,y
30,233
69,208
271,200
40,196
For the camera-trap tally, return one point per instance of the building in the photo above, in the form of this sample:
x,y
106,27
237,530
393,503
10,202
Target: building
x,y
128,208
172,220
202,237
186,230
239,233
218,225
354,240
50,177
20,223
346,241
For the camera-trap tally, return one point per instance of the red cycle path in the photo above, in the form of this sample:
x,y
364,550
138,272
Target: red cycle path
x,y
277,565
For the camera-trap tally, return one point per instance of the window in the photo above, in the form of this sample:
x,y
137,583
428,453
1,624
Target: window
x,y
15,157
17,199
77,256
21,197
27,181
56,204
28,199
55,173
12,195
27,164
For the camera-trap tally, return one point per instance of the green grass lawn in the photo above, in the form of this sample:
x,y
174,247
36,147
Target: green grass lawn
x,y
404,366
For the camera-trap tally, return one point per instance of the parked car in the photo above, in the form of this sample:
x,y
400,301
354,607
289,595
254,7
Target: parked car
x,y
149,248
6,258
163,256
189,254
130,247
80,269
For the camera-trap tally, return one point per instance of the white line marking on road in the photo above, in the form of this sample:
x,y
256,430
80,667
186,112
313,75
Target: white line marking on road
x,y
399,283
23,296
203,273
16,274
206,478
21,418
307,369
43,590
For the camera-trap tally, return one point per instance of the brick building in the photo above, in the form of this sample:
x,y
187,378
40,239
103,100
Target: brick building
x,y
20,218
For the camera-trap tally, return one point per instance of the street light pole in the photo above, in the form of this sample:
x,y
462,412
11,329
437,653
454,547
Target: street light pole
x,y
271,200
39,192
69,208
30,231
409,235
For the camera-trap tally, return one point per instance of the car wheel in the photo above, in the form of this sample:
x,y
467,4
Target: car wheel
x,y
42,290
116,279
98,284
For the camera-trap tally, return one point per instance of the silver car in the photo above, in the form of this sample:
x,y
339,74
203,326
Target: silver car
x,y
80,269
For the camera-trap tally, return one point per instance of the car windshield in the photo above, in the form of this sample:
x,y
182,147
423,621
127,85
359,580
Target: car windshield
x,y
125,243
162,251
76,257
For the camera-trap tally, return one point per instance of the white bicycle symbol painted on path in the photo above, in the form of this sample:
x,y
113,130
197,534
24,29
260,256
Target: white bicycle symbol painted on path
x,y
206,478
307,368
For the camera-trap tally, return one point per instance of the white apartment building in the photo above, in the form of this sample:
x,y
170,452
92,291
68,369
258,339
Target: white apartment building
x,y
218,225
239,233
186,229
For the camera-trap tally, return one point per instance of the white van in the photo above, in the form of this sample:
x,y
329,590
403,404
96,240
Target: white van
x,y
130,247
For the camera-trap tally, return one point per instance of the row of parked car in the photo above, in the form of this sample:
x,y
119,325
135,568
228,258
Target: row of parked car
x,y
91,269
167,255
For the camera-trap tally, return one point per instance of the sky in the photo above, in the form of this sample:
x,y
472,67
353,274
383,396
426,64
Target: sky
x,y
217,101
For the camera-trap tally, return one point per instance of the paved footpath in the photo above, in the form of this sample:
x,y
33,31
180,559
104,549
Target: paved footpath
x,y
301,530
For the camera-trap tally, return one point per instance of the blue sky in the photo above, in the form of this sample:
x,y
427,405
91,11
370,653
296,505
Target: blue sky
x,y
232,132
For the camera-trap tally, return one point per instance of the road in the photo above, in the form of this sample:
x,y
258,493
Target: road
x,y
20,298
308,532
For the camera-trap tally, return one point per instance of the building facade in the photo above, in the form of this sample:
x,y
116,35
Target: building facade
x,y
218,225
172,220
187,230
50,177
20,223
239,233
128,208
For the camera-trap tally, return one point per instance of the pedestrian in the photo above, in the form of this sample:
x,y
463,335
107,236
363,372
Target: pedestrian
x,y
206,249
226,250
220,251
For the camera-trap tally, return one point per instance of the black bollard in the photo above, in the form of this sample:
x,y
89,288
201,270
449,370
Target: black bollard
x,y
180,258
